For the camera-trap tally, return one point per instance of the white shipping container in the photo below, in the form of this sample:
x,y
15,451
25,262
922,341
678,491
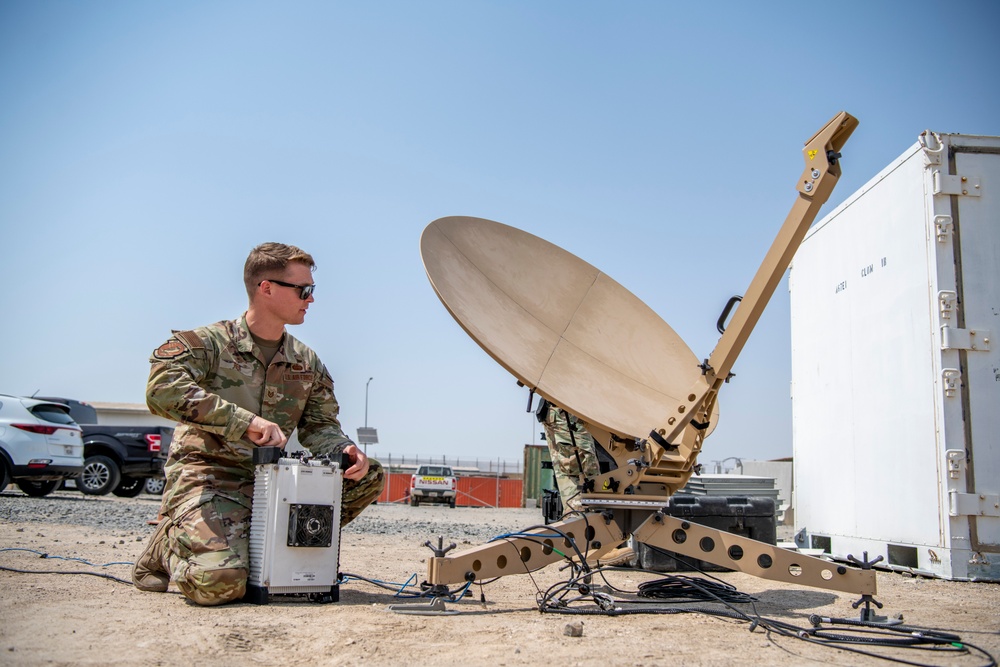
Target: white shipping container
x,y
895,310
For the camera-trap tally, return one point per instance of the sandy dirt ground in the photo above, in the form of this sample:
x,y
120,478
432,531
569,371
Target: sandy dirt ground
x,y
72,619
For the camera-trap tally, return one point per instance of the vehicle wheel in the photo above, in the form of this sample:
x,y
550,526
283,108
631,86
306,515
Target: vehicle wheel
x,y
37,489
129,487
414,502
100,475
451,503
4,475
155,485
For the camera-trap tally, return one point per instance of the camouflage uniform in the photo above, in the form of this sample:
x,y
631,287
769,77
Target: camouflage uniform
x,y
214,381
565,464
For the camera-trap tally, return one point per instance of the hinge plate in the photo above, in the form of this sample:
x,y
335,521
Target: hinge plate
x,y
965,339
946,184
973,504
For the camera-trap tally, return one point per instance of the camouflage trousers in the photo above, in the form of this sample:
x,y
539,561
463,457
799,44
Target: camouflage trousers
x,y
566,467
207,548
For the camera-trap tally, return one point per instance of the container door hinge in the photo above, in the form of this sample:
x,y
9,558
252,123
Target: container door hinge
x,y
942,227
973,504
951,377
946,184
965,339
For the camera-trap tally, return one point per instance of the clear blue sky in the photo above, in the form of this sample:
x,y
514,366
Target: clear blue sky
x,y
145,147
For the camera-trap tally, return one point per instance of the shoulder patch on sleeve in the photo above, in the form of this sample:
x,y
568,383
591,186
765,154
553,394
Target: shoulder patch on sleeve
x,y
171,349
325,380
191,339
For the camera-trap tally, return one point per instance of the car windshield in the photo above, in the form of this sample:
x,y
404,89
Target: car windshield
x,y
52,413
436,471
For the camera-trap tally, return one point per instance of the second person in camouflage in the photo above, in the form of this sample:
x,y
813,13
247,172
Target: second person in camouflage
x,y
236,385
572,453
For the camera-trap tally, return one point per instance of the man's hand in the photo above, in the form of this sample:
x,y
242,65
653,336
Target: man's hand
x,y
359,463
266,434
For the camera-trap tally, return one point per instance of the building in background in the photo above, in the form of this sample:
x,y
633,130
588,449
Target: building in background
x,y
128,414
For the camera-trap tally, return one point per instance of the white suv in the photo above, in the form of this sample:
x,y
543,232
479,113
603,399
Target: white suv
x,y
40,444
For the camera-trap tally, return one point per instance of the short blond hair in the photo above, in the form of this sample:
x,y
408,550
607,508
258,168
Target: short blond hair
x,y
269,259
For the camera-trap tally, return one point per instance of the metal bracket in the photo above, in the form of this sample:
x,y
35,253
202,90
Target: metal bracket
x,y
950,377
973,504
946,302
965,339
942,227
946,184
955,459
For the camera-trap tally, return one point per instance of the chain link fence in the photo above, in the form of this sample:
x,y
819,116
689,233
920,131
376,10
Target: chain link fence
x,y
461,465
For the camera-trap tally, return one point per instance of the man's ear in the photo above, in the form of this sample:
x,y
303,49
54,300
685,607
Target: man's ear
x,y
262,290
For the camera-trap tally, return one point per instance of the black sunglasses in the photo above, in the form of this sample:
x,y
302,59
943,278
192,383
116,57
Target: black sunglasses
x,y
305,291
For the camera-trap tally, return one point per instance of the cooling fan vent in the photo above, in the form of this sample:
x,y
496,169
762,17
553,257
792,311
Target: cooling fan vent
x,y
311,525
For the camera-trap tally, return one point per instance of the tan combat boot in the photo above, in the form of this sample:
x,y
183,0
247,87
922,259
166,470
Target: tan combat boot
x,y
149,572
621,555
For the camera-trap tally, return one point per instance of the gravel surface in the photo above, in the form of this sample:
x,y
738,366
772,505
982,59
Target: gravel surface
x,y
74,508
117,515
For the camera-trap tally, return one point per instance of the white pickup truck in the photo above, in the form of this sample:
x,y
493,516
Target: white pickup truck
x,y
435,484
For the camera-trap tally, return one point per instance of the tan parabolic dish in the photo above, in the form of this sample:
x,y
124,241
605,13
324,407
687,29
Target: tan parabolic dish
x,y
559,325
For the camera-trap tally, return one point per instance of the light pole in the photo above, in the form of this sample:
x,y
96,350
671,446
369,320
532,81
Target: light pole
x,y
366,400
367,436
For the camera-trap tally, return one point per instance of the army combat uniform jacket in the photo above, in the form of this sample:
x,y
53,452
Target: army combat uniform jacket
x,y
213,380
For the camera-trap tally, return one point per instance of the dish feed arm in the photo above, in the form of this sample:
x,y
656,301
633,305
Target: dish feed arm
x,y
672,447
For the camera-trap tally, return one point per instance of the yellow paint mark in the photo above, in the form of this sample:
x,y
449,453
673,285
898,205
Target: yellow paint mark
x,y
607,484
812,153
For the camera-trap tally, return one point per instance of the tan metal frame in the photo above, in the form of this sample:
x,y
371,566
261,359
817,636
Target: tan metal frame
x,y
629,498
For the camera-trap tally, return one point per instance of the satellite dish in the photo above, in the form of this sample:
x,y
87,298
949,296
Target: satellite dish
x,y
559,325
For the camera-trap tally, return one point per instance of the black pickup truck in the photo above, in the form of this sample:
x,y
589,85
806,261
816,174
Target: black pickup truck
x,y
117,459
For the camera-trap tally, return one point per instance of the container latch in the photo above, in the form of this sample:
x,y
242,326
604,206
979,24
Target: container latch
x,y
942,227
947,300
950,376
955,458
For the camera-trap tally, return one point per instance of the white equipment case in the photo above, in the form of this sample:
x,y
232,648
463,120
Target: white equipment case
x,y
895,313
295,528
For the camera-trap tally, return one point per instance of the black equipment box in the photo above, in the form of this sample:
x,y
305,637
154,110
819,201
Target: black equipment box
x,y
752,517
